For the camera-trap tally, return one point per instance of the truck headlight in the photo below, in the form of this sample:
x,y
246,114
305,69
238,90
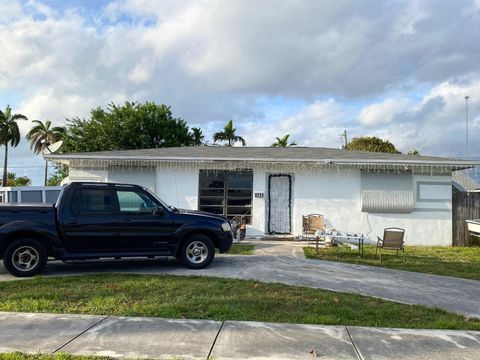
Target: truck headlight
x,y
226,227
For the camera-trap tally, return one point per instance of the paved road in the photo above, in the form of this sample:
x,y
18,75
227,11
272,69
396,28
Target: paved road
x,y
284,263
154,338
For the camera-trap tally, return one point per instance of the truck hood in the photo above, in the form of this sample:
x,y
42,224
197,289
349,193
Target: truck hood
x,y
202,214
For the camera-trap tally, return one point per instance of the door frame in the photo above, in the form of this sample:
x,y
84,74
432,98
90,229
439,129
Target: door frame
x,y
289,176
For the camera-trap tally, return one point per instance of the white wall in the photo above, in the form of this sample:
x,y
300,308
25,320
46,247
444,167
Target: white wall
x,y
333,193
87,174
336,195
258,226
131,176
178,187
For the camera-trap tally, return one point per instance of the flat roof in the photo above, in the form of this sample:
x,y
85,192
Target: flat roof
x,y
259,154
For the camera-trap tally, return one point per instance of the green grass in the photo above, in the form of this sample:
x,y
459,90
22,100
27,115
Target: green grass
x,y
197,297
241,249
461,262
39,356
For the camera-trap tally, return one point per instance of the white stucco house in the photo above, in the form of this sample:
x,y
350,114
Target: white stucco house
x,y
355,191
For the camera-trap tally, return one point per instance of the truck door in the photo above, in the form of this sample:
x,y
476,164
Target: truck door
x,y
144,227
90,223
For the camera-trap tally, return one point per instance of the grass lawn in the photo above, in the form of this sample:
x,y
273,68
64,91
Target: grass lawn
x,y
60,356
197,297
461,262
241,249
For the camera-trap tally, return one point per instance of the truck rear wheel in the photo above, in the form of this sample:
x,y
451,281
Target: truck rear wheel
x,y
197,251
25,257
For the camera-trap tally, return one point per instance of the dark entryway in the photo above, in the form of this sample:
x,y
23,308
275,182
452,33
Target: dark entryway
x,y
226,193
279,204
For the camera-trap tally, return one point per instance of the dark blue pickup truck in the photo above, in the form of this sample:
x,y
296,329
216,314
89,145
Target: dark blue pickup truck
x,y
100,220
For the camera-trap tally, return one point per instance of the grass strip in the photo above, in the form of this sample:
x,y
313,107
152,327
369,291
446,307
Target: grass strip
x,y
241,249
196,297
40,356
463,262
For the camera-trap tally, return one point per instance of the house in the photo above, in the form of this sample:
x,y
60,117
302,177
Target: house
x,y
273,187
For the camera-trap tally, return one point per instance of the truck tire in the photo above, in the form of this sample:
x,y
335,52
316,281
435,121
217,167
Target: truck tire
x,y
197,251
25,257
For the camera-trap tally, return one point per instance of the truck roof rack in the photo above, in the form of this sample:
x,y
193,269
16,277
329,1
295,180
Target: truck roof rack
x,y
92,183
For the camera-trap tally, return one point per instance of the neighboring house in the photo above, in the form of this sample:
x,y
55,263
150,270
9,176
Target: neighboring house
x,y
463,180
355,191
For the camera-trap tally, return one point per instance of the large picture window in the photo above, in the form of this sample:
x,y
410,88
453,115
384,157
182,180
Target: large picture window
x,y
226,193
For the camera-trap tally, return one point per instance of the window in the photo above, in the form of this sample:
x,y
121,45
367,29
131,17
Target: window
x,y
226,193
132,202
92,201
385,192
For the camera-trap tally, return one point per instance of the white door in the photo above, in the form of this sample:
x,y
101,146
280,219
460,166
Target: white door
x,y
279,204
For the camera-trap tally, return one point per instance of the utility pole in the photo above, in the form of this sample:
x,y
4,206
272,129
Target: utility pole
x,y
345,139
466,126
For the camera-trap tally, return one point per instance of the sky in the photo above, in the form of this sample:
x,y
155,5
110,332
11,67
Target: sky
x,y
399,70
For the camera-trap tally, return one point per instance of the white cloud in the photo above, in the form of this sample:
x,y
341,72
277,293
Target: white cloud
x,y
382,112
212,60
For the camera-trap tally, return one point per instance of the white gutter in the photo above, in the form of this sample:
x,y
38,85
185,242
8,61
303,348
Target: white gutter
x,y
318,161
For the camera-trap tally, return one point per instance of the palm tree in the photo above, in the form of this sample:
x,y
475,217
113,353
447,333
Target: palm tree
x,y
228,134
9,133
283,141
197,136
41,136
13,180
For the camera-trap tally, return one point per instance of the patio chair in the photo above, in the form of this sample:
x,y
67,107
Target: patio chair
x,y
310,224
392,240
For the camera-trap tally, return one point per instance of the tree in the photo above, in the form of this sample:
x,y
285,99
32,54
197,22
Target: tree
x,y
228,135
126,127
42,135
9,133
55,179
413,152
13,180
283,142
197,136
373,144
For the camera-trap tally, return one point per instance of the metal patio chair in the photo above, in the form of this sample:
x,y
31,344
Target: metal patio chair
x,y
392,240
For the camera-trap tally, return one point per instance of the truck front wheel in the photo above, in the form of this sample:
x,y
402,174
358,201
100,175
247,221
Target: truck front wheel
x,y
25,257
197,251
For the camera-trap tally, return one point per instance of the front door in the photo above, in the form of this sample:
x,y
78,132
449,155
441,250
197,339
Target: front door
x,y
279,204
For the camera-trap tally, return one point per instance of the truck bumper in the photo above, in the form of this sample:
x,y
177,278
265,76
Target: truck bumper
x,y
225,242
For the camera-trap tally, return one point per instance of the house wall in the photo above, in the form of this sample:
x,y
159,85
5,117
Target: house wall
x,y
178,187
87,174
131,176
334,193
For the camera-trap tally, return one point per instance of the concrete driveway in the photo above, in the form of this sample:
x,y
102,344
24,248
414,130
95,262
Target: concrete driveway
x,y
283,262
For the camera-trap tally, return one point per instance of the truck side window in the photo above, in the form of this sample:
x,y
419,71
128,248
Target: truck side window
x,y
132,202
92,202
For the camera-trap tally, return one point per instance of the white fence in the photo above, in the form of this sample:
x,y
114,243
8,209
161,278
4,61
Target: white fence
x,y
29,194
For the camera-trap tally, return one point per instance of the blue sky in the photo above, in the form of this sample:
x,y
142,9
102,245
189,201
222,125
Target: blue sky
x,y
397,69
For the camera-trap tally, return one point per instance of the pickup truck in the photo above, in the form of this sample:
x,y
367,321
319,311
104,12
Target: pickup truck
x,y
104,220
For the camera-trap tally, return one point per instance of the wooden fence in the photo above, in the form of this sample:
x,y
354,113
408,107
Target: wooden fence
x,y
465,206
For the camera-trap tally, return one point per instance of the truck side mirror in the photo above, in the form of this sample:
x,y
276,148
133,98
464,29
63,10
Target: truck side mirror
x,y
159,211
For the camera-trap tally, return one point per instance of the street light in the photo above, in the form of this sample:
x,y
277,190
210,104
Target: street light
x,y
466,125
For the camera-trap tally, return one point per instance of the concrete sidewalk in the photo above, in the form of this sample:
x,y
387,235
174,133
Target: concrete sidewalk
x,y
136,337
